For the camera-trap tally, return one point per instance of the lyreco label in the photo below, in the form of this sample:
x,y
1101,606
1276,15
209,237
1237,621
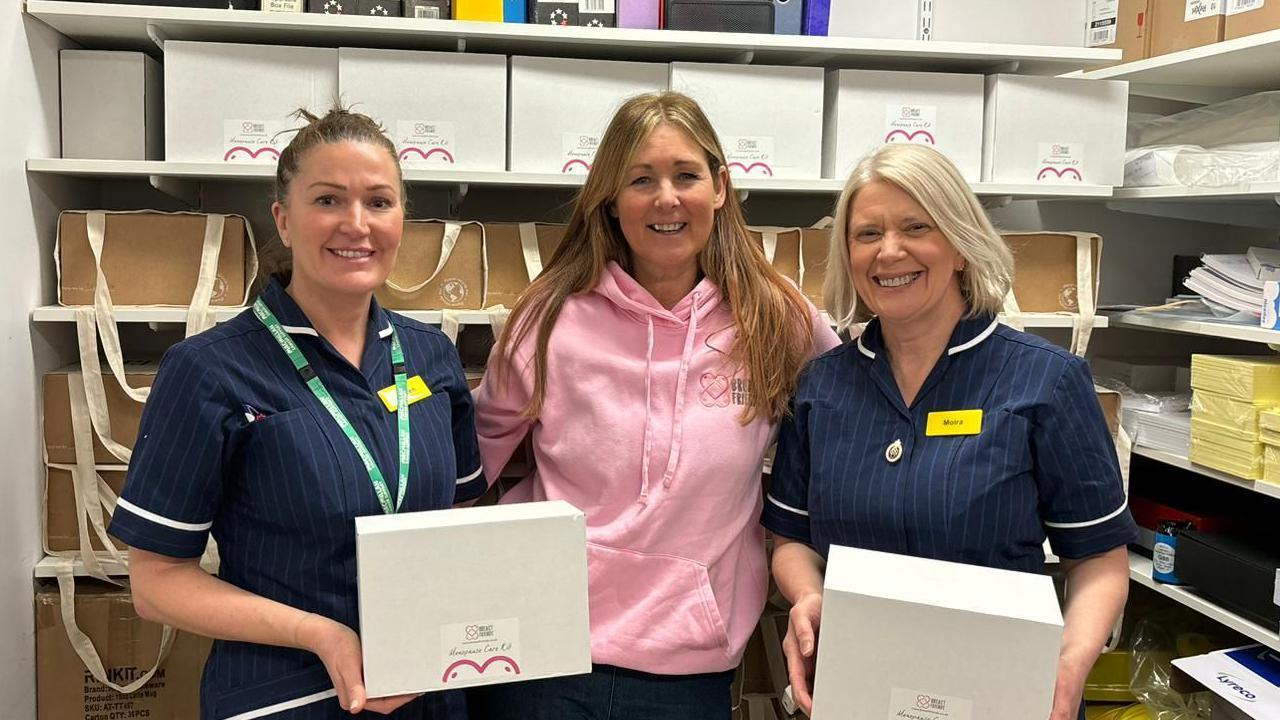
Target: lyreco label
x,y
1103,17
911,124
907,704
426,142
1200,9
1235,7
750,156
1060,163
484,651
254,140
579,151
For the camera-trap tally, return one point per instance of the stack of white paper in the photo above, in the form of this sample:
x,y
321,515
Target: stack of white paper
x,y
1167,432
1229,281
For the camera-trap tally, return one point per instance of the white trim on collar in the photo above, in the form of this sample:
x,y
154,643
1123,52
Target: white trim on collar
x,y
863,349
385,332
977,340
300,330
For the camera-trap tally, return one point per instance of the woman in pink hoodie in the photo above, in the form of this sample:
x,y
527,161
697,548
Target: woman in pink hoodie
x,y
651,361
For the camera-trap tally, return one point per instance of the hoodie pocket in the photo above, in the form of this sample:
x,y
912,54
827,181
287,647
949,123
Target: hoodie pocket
x,y
663,602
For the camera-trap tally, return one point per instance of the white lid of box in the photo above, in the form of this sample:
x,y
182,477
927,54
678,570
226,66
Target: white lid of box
x,y
956,586
459,517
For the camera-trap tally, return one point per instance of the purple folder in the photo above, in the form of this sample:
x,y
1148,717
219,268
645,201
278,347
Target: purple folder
x,y
641,14
816,15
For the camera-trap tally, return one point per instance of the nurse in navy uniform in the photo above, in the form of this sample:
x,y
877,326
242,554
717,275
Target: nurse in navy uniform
x,y
275,430
939,432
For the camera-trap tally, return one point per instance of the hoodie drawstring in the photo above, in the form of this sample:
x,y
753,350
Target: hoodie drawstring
x,y
648,415
677,430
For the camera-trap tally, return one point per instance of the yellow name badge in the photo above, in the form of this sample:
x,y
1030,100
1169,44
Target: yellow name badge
x,y
954,422
418,390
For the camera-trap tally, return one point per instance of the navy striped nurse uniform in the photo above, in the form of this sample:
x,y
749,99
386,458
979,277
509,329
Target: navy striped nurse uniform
x,y
856,467
232,442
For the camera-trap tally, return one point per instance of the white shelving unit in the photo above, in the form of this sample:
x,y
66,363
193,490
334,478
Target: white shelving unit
x,y
142,27
1168,323
1248,62
1178,461
1140,572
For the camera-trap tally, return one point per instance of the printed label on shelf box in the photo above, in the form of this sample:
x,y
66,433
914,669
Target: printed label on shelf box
x,y
1235,7
1103,16
579,151
480,651
259,141
907,704
911,124
294,6
425,142
1200,9
596,6
1060,163
750,156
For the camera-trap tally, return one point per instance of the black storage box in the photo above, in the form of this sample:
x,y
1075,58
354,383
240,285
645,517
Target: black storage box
x,y
332,7
379,8
1236,573
746,16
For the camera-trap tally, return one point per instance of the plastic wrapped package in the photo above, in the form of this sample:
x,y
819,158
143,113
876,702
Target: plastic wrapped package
x,y
1226,411
1196,166
1157,638
1252,378
1249,119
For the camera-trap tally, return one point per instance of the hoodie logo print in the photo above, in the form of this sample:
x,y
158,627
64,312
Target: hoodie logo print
x,y
715,390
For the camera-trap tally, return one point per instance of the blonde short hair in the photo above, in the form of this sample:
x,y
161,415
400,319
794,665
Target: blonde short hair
x,y
936,184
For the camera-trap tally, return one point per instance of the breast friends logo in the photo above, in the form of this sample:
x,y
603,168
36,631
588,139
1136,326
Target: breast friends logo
x,y
500,664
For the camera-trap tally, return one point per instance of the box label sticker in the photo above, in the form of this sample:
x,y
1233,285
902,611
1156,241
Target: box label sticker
x,y
916,124
1235,7
426,142
259,141
283,6
907,704
1103,17
1060,163
750,156
1201,9
480,652
579,151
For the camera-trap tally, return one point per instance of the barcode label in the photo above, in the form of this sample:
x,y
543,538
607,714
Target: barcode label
x,y
595,6
1234,7
424,11
1199,9
1106,36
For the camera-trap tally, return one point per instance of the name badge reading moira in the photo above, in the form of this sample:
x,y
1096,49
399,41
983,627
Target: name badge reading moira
x,y
954,422
418,390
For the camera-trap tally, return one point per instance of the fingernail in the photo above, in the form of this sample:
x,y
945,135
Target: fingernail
x,y
808,648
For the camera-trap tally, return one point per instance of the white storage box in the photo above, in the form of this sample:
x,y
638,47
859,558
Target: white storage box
x,y
472,596
769,118
867,108
909,637
1043,22
1054,130
111,105
231,102
561,107
443,110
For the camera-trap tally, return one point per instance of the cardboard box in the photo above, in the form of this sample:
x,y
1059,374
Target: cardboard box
x,y
1045,277
1243,681
62,514
557,131
227,102
426,283
1246,17
910,637
1054,130
866,108
789,244
1123,25
1184,24
1046,22
488,10
111,105
127,646
523,618
428,9
509,270
769,118
151,258
442,110
123,412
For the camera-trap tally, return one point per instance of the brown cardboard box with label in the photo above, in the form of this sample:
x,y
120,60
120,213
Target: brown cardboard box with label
x,y
1171,32
1133,30
127,646
62,515
1045,270
1264,16
425,284
124,413
508,274
151,258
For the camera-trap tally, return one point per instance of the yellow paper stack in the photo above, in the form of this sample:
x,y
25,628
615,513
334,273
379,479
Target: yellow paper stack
x,y
1229,395
1269,433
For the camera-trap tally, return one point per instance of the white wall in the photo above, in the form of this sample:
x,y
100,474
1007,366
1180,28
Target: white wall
x,y
29,91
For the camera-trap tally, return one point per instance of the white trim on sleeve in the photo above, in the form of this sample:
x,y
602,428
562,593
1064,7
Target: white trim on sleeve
x,y
787,507
162,520
286,705
1089,523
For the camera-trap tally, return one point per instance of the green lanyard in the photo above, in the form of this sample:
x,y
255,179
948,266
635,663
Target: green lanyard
x,y
318,389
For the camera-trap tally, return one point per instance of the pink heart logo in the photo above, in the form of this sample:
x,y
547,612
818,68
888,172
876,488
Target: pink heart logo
x,y
749,169
426,155
925,135
569,166
252,153
1065,173
715,390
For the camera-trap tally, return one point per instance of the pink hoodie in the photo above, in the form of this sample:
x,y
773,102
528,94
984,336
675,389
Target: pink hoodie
x,y
640,430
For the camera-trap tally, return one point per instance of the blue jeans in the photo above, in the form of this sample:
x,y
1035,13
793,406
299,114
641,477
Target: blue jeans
x,y
607,693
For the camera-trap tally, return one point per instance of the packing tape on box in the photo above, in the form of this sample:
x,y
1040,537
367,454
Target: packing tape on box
x,y
1081,322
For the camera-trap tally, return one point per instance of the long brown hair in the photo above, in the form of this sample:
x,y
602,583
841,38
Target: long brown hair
x,y
775,334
